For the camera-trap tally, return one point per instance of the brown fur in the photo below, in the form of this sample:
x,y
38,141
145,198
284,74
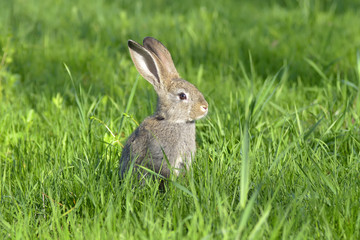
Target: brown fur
x,y
170,131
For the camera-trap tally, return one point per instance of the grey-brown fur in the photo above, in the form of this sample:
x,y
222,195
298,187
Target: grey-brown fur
x,y
171,130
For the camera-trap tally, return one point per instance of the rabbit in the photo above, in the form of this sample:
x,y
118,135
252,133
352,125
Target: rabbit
x,y
170,132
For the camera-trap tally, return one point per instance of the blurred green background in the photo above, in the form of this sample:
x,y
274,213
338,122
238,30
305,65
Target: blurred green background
x,y
90,37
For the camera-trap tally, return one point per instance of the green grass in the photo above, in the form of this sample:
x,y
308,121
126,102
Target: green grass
x,y
278,155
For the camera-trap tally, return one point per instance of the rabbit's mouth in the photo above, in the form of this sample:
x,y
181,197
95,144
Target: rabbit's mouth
x,y
203,115
200,112
200,117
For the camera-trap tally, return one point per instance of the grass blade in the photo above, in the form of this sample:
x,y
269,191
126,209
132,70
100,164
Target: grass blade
x,y
245,168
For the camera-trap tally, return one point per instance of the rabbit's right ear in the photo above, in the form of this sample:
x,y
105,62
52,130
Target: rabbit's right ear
x,y
162,53
147,64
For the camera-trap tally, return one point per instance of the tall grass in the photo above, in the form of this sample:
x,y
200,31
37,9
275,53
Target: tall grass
x,y
278,154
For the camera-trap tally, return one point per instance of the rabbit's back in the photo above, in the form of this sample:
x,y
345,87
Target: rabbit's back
x,y
135,148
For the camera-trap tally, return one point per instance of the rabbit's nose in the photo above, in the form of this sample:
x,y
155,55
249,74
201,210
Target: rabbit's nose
x,y
204,108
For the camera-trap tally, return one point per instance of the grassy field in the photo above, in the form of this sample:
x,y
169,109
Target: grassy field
x,y
278,155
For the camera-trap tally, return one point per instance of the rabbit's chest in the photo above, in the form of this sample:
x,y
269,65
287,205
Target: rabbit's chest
x,y
177,141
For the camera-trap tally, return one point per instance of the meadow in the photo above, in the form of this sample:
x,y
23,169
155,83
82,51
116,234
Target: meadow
x,y
278,156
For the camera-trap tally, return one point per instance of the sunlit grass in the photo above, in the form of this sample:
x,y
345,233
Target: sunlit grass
x,y
278,155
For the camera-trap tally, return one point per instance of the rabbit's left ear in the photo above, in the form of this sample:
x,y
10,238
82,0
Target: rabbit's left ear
x,y
163,54
147,64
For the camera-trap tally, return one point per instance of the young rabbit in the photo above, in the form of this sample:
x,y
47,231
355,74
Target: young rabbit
x,y
170,132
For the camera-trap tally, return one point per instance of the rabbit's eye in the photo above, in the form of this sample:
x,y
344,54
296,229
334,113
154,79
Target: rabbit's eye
x,y
182,96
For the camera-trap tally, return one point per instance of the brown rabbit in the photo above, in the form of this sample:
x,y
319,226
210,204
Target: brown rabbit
x,y
170,131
